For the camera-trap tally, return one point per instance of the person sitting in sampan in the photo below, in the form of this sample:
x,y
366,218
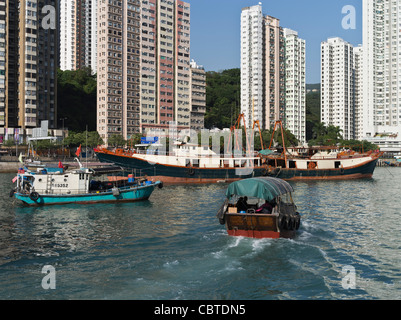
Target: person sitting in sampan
x,y
267,207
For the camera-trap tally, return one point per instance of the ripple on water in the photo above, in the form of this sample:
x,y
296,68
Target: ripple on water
x,y
173,247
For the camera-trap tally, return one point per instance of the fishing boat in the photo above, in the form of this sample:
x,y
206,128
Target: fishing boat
x,y
187,163
83,185
317,163
191,163
260,208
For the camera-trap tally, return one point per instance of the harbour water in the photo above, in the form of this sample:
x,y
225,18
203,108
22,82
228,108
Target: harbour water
x,y
173,247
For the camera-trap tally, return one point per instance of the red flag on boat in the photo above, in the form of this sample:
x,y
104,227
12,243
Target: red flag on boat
x,y
78,151
60,165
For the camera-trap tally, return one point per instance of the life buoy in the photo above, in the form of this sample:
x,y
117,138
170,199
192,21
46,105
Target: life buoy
x,y
34,196
311,165
191,171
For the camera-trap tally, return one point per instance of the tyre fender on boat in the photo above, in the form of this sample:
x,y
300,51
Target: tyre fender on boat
x,y
160,185
297,221
282,222
191,171
34,196
221,214
12,193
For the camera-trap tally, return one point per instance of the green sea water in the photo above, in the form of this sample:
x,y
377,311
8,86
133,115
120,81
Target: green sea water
x,y
172,246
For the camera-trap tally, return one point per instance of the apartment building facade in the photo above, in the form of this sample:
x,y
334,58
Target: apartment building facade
x,y
78,34
295,84
144,75
165,66
198,96
267,70
28,67
252,65
382,73
274,65
337,85
358,93
118,65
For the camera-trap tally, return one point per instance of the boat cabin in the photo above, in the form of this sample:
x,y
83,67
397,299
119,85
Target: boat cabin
x,y
260,208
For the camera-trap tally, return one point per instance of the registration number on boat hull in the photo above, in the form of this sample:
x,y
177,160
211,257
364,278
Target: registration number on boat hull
x,y
60,185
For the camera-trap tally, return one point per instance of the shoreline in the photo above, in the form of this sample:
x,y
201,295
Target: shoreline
x,y
13,166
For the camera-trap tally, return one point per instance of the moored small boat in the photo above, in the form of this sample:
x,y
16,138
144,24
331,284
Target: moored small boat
x,y
270,211
82,185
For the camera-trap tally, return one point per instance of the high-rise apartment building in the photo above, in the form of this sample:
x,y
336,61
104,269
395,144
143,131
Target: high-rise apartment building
x,y
337,85
252,65
28,64
262,68
143,66
78,34
264,74
382,70
358,93
118,65
274,66
295,85
198,96
165,65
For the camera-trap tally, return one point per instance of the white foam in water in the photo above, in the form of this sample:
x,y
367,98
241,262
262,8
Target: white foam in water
x,y
260,244
170,264
236,242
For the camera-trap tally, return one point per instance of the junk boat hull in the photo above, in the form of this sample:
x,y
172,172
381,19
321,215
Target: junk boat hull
x,y
364,169
291,169
172,173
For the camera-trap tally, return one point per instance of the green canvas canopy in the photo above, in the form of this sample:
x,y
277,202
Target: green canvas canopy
x,y
266,188
266,152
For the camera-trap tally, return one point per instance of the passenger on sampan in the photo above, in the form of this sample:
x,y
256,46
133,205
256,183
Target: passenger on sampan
x,y
267,207
242,204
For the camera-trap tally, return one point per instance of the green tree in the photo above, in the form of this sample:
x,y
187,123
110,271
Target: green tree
x,y
117,140
74,139
222,98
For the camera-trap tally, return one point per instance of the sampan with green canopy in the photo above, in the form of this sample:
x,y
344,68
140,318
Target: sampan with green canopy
x,y
266,188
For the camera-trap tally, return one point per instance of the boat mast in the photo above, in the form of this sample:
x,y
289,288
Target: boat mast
x,y
260,133
279,122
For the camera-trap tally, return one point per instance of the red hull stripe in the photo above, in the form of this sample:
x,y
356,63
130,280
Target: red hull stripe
x,y
254,234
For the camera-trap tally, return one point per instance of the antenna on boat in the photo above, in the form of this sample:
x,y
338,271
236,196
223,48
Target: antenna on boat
x,y
86,148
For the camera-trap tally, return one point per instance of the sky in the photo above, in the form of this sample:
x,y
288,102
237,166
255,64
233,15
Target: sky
x,y
215,28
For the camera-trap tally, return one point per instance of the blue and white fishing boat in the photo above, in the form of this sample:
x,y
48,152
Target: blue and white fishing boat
x,y
83,185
